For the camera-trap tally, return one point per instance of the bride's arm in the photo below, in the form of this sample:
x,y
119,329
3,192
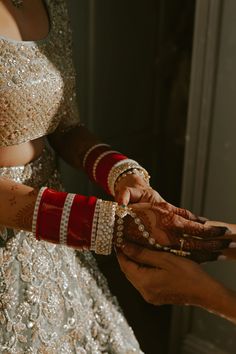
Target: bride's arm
x,y
76,219
73,144
16,204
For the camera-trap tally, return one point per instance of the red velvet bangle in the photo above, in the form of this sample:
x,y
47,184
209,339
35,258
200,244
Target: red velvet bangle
x,y
49,215
104,167
80,222
92,157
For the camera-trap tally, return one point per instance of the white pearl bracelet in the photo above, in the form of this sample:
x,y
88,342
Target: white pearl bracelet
x,y
134,171
122,211
118,169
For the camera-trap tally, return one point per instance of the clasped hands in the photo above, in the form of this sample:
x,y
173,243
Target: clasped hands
x,y
162,277
176,229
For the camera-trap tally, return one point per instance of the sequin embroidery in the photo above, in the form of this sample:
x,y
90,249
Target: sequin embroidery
x,y
37,82
54,300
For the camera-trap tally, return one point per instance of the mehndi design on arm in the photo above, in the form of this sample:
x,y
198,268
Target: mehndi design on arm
x,y
24,216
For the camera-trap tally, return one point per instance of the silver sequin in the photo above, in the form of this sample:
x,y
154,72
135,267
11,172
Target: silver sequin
x,y
37,82
52,299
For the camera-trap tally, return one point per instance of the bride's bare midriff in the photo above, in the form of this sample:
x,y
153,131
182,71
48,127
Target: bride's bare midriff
x,y
22,154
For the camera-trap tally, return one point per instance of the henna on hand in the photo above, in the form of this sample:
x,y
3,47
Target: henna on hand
x,y
201,243
24,217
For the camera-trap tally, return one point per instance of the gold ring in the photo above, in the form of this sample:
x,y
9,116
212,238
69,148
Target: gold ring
x,y
181,244
180,252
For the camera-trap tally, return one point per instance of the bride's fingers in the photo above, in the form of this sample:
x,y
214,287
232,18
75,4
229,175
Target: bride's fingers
x,y
190,244
186,214
123,196
198,230
204,256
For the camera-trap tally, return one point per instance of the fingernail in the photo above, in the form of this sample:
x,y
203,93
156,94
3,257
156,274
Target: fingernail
x,y
202,219
121,204
232,245
222,258
227,231
222,230
126,249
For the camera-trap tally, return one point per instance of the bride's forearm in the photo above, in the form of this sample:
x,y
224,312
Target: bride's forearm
x,y
16,204
73,144
54,216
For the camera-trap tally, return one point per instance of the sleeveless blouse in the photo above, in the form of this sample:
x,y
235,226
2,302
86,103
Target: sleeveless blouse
x,y
37,82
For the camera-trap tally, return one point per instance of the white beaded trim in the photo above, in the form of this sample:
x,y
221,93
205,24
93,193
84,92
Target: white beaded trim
x,y
65,218
90,150
36,209
100,157
94,225
135,171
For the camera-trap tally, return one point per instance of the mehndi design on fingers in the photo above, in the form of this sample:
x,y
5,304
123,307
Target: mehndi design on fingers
x,y
180,243
145,234
207,245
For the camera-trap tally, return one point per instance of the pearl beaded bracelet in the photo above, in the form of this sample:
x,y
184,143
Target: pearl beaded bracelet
x,y
140,171
121,212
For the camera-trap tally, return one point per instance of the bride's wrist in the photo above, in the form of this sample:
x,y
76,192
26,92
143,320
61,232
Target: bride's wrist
x,y
106,166
85,223
133,178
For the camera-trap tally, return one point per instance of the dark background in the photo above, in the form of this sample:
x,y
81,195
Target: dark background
x,y
133,62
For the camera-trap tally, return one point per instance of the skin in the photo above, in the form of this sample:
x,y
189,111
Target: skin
x,y
17,201
170,226
163,278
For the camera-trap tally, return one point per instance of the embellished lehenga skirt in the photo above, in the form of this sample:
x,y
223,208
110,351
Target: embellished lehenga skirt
x,y
54,300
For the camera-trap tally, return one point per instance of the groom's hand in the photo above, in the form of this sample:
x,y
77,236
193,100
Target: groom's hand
x,y
163,278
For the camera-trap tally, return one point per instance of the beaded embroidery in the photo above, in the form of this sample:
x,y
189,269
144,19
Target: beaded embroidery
x,y
54,300
37,82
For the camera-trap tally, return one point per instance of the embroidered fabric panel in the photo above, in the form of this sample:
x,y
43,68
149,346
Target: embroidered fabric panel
x,y
53,300
37,82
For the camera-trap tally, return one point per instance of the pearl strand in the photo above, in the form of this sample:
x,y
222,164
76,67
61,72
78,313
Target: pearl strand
x,y
121,212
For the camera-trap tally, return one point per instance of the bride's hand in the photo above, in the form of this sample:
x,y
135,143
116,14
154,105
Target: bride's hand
x,y
176,229
134,189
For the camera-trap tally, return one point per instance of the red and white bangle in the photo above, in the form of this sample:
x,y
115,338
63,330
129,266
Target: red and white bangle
x,y
36,209
104,166
84,223
93,148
